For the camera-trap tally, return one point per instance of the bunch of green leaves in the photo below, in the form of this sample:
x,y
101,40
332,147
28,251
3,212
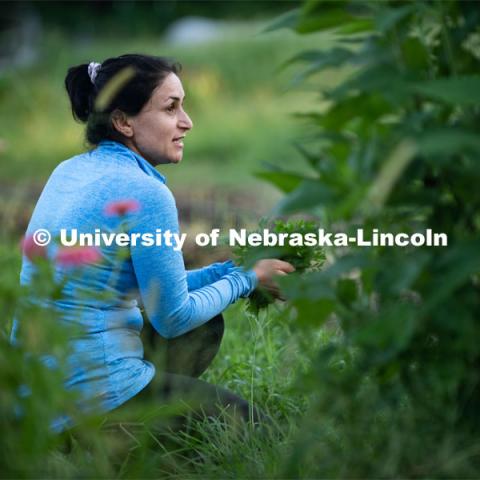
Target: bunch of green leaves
x,y
392,145
303,258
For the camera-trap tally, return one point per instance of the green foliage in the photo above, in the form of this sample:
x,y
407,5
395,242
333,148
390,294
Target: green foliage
x,y
393,147
28,373
385,369
304,258
232,88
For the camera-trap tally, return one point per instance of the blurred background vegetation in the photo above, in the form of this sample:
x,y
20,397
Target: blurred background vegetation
x,y
238,96
372,368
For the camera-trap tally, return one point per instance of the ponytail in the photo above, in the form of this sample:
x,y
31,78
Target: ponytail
x,y
81,91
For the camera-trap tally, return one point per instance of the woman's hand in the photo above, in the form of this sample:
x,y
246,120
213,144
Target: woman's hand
x,y
267,269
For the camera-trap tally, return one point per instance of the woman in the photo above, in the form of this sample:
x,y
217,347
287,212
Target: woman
x,y
143,125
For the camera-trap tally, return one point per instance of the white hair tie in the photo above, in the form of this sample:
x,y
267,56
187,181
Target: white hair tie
x,y
93,68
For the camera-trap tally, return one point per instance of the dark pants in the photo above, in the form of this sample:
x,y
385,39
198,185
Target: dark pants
x,y
186,358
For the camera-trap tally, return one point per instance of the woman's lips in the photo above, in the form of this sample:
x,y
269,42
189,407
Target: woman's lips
x,y
178,142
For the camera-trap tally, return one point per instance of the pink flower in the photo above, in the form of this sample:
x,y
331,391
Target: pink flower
x,y
77,256
121,207
31,250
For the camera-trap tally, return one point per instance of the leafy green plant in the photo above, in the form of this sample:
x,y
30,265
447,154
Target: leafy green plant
x,y
303,257
394,146
33,397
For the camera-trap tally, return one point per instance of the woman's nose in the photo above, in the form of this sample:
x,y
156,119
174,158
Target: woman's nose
x,y
185,121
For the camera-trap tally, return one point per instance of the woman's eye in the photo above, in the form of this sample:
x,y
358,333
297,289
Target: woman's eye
x,y
171,108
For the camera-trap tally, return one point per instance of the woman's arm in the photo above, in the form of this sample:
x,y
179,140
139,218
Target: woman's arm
x,y
201,277
161,275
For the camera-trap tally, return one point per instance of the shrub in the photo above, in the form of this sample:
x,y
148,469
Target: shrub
x,y
395,147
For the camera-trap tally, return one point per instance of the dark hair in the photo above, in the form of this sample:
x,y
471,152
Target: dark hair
x,y
148,73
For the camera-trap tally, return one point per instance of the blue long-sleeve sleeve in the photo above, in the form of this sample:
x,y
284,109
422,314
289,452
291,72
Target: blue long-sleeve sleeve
x,y
201,277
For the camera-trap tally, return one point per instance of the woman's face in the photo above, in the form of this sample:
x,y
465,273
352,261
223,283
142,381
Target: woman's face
x,y
157,132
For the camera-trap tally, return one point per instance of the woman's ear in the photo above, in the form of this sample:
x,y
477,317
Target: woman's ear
x,y
121,123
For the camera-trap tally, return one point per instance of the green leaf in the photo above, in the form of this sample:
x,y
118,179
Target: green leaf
x,y
356,26
309,194
405,268
390,17
313,313
464,90
342,266
310,158
448,141
320,60
455,268
347,291
284,181
415,55
380,78
322,16
298,287
388,333
366,106
287,20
